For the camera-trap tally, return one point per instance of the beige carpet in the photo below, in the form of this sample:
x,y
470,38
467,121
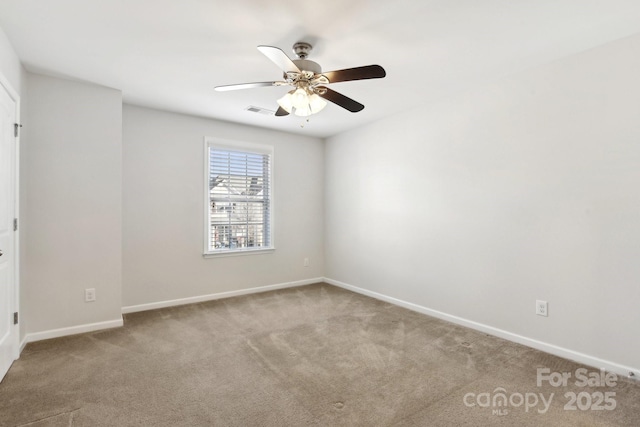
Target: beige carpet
x,y
313,355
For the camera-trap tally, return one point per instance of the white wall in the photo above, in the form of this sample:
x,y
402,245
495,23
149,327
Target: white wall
x,y
72,171
163,208
10,66
524,190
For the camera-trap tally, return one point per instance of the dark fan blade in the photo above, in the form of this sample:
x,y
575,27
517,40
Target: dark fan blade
x,y
279,58
358,73
245,86
341,100
281,112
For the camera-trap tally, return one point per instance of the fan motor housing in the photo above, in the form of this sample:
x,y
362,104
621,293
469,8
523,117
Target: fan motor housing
x,y
307,65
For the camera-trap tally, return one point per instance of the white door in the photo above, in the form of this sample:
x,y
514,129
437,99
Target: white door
x,y
8,332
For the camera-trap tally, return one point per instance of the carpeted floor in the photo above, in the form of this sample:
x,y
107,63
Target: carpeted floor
x,y
314,355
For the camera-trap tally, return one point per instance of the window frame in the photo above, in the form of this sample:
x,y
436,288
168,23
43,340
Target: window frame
x,y
241,146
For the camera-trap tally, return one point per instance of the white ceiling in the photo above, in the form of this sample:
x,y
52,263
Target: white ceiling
x,y
169,54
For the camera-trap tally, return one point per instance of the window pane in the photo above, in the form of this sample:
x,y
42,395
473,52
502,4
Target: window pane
x,y
239,200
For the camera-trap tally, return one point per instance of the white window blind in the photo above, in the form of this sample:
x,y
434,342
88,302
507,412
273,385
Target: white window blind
x,y
239,199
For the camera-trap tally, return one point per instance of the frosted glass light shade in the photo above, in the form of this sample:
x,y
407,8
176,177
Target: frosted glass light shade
x,y
301,103
286,103
316,103
303,112
300,99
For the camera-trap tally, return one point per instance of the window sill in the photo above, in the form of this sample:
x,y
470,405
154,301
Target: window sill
x,y
238,252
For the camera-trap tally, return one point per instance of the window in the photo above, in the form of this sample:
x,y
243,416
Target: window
x,y
238,197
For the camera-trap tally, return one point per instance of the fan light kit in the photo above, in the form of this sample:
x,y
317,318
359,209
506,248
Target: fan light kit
x,y
309,95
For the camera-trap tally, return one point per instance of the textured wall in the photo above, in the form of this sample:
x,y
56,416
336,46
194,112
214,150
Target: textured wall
x,y
72,169
163,223
523,190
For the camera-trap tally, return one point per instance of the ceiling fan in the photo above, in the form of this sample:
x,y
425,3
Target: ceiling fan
x,y
309,82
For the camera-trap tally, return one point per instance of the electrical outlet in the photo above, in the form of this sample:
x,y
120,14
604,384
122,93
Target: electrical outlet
x,y
542,308
89,295
306,262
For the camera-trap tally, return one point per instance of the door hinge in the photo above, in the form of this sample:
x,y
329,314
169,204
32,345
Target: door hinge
x,y
16,126
15,224
15,318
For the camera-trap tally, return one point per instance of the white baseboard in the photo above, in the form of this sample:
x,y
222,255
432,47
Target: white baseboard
x,y
220,295
72,330
585,359
79,329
